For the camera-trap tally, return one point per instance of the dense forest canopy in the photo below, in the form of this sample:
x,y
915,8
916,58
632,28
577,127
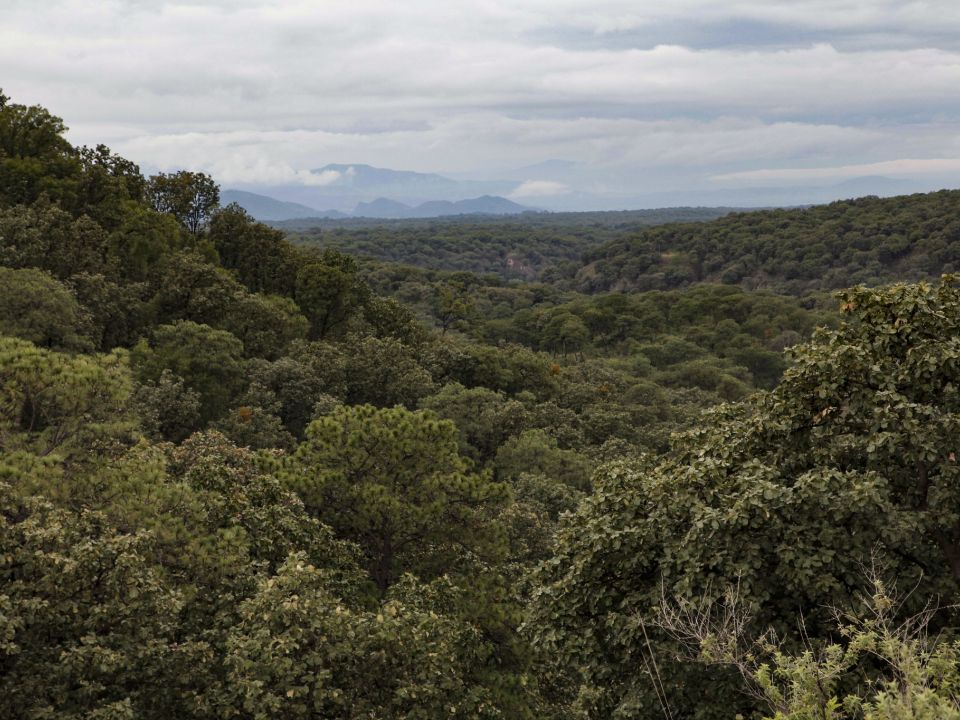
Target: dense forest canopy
x,y
825,247
512,247
371,474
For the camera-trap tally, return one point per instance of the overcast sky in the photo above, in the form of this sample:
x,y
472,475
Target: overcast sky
x,y
659,95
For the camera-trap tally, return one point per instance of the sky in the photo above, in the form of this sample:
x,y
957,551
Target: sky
x,y
633,95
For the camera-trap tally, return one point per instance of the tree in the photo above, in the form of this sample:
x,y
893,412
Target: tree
x,y
35,158
43,236
35,307
265,324
109,186
535,451
298,651
118,311
88,627
484,418
453,306
209,361
329,291
288,385
167,408
255,427
259,255
565,332
191,197
853,454
383,372
390,319
877,665
141,241
53,402
392,481
188,287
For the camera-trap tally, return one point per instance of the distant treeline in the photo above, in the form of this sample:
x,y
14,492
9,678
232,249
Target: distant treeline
x,y
512,246
869,240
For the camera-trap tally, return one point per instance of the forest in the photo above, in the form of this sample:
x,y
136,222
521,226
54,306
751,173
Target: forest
x,y
699,469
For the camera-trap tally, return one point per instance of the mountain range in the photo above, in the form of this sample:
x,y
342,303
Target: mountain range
x,y
340,190
268,209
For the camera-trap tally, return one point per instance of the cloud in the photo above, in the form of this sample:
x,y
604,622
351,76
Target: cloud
x,y
904,166
638,93
327,177
539,188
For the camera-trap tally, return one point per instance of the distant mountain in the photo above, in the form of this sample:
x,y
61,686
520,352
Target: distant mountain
x,y
268,209
488,205
342,186
365,177
581,187
382,208
485,205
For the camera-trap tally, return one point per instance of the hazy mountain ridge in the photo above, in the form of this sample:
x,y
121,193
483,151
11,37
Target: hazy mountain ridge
x,y
268,209
485,205
560,186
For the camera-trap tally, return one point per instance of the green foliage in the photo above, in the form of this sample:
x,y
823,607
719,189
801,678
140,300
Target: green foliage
x,y
110,186
265,324
35,307
190,197
209,361
383,372
483,417
186,286
255,427
868,240
44,236
453,306
392,481
290,388
56,402
118,311
851,455
34,156
546,244
329,292
535,451
382,567
143,238
167,408
262,260
912,677
88,627
239,495
299,652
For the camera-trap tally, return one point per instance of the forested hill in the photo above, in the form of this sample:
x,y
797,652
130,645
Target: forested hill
x,y
869,240
245,479
512,247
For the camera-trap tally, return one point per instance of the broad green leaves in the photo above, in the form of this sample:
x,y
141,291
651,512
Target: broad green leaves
x,y
788,493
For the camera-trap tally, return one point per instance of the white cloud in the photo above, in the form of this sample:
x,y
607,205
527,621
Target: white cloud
x,y
539,188
261,91
904,166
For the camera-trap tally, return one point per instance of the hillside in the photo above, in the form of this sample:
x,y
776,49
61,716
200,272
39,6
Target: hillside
x,y
245,478
512,246
869,240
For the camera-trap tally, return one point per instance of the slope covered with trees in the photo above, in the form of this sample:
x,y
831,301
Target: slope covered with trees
x,y
244,478
513,248
826,247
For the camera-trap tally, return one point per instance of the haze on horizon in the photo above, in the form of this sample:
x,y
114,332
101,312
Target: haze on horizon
x,y
633,97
